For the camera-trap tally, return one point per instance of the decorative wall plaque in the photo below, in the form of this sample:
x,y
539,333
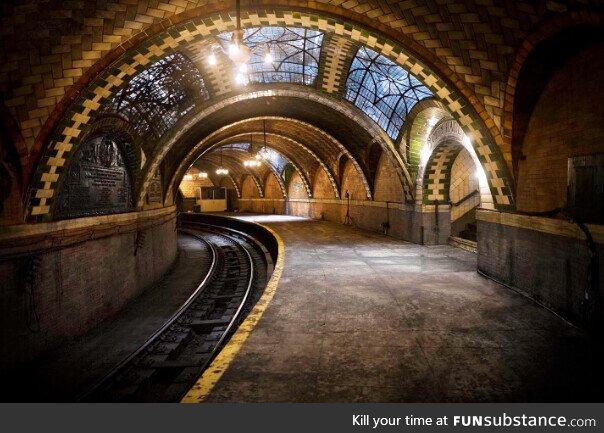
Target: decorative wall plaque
x,y
99,181
155,193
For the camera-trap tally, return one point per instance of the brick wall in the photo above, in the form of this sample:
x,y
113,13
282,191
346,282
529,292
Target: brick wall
x,y
352,182
296,190
550,266
321,186
249,188
463,182
272,190
11,211
77,287
387,184
190,188
566,122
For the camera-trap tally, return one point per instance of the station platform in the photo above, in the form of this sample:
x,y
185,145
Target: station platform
x,y
362,317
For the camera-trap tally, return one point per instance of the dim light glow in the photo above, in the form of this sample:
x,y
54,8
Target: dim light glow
x,y
212,59
233,49
424,155
481,176
467,142
240,78
252,163
222,171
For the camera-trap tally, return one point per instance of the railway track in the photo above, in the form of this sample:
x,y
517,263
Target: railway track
x,y
171,360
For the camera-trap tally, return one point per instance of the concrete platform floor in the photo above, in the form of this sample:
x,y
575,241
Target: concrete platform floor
x,y
360,317
65,373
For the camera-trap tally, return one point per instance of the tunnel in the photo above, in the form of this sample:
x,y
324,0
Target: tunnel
x,y
292,201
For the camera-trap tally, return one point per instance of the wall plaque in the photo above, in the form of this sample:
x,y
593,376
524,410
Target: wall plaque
x,y
155,192
98,182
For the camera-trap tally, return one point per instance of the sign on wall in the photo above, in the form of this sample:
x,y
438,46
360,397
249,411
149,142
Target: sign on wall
x,y
98,182
154,194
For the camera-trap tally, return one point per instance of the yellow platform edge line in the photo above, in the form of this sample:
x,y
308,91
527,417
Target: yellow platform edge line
x,y
205,384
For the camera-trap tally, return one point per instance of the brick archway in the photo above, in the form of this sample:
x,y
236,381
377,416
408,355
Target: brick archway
x,y
462,106
547,29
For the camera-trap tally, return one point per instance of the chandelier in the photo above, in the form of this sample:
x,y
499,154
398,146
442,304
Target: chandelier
x,y
238,51
263,153
254,161
221,170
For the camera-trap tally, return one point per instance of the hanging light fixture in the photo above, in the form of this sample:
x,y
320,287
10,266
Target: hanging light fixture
x,y
254,160
263,152
202,175
188,177
221,170
239,52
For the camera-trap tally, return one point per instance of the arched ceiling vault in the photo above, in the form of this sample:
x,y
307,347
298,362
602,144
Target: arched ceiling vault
x,y
322,117
265,169
182,32
325,147
310,147
304,160
210,167
232,161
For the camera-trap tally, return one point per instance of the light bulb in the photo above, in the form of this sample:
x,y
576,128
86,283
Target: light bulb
x,y
240,78
188,177
212,59
233,49
202,175
268,57
243,68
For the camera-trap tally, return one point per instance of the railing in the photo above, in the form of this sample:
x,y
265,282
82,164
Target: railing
x,y
467,197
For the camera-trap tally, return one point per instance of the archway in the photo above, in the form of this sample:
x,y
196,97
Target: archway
x,y
452,184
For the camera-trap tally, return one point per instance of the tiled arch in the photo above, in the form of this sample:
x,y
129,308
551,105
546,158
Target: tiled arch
x,y
274,173
294,163
437,176
133,61
199,149
445,142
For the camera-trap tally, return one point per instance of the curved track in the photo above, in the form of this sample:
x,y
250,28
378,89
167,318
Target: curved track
x,y
171,360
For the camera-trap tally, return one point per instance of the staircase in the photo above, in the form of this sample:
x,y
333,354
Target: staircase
x,y
469,232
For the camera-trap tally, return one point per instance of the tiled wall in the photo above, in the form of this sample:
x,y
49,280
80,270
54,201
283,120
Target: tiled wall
x,y
387,185
190,188
463,182
546,258
567,121
78,286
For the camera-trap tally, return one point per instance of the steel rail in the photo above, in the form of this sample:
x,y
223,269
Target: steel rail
x,y
200,288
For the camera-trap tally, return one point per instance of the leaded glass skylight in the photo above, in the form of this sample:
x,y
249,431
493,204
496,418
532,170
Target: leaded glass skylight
x,y
237,146
154,100
294,54
385,91
274,158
